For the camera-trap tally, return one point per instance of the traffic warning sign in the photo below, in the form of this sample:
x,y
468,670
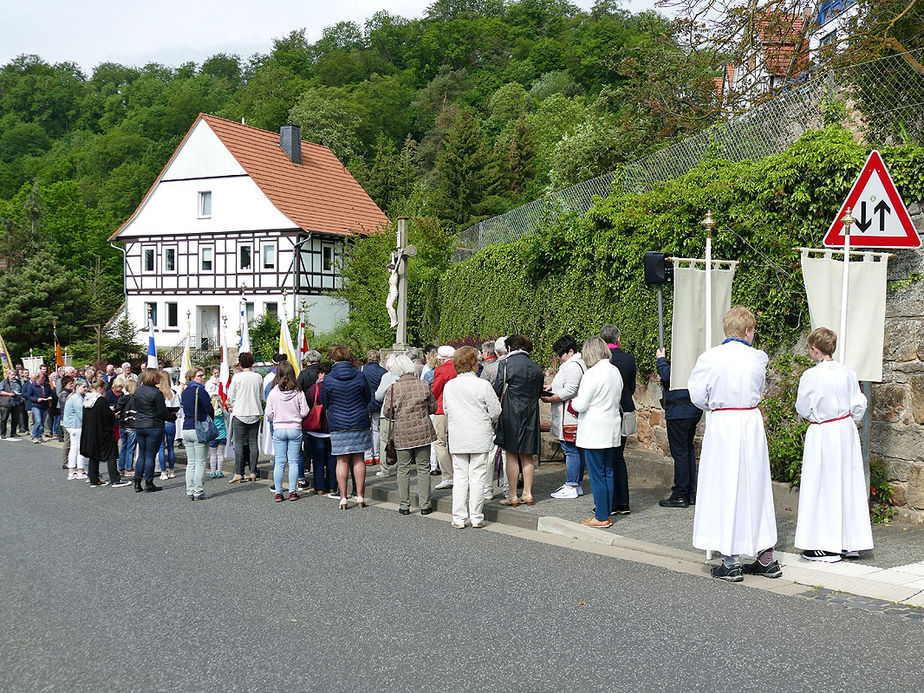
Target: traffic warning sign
x,y
882,219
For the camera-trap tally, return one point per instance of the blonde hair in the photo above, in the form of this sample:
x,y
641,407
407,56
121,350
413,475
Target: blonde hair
x,y
824,340
130,386
737,321
164,385
594,351
218,405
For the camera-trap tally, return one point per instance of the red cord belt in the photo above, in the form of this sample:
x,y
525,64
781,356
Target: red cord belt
x,y
839,418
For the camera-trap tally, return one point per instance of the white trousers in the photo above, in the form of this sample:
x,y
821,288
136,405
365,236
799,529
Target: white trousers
x,y
74,459
468,475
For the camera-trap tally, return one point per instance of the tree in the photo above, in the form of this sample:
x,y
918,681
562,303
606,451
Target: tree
x,y
328,121
467,169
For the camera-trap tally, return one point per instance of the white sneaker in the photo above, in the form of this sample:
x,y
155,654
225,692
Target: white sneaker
x,y
566,492
163,476
446,483
13,440
71,476
81,475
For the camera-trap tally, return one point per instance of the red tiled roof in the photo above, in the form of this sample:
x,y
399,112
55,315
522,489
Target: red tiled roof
x,y
785,50
318,195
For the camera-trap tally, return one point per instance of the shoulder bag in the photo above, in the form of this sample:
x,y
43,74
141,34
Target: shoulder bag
x,y
315,419
206,430
391,453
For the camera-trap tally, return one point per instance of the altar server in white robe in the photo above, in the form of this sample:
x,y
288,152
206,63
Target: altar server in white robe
x,y
833,510
734,508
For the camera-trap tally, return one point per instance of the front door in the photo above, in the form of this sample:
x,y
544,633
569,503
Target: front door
x,y
208,326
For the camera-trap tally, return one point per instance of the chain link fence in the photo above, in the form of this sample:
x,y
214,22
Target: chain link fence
x,y
884,101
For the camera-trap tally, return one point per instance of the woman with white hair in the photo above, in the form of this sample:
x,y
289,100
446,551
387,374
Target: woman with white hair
x,y
599,430
408,404
391,376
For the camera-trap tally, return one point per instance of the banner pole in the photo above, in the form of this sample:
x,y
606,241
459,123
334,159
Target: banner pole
x,y
846,220
660,320
708,222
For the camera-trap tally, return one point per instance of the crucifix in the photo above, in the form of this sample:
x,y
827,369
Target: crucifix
x,y
397,285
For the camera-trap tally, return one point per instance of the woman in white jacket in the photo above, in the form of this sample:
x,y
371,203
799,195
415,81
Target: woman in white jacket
x,y
599,429
472,409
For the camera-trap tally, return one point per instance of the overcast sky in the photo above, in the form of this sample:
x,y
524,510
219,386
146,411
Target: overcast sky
x,y
175,31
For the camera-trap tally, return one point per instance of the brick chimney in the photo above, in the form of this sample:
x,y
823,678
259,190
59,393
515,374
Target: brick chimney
x,y
290,139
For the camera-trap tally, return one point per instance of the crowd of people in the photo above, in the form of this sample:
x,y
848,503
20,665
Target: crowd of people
x,y
471,417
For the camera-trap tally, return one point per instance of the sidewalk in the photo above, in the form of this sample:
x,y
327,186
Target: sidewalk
x,y
893,572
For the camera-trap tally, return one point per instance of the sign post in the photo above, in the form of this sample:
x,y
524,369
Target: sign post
x,y
846,220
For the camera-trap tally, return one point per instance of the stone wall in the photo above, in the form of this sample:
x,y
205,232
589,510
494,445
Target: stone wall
x,y
897,432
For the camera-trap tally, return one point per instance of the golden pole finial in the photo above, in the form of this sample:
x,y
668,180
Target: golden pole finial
x,y
847,220
709,223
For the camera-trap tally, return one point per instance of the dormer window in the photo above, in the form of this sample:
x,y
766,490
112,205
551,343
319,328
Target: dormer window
x,y
205,204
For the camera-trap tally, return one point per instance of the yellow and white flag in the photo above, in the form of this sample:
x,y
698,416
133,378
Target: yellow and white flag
x,y
285,342
6,361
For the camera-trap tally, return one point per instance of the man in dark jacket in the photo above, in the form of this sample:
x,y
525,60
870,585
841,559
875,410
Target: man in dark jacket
x,y
38,395
682,417
373,373
625,362
10,404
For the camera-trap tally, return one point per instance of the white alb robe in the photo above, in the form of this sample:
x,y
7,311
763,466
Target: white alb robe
x,y
734,498
833,509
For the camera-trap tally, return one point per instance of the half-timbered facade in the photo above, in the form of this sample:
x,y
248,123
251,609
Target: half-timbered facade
x,y
238,208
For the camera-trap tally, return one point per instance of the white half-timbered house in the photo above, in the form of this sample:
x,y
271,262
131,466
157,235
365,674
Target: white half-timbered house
x,y
238,206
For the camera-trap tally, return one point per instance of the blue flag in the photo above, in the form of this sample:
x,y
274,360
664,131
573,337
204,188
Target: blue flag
x,y
152,351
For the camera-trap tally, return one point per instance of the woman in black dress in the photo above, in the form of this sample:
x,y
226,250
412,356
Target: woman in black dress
x,y
519,386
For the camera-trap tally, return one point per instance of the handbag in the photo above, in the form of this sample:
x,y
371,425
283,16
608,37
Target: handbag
x,y
391,452
206,430
315,419
629,423
569,431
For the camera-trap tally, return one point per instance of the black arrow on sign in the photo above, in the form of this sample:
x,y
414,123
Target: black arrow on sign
x,y
863,223
882,209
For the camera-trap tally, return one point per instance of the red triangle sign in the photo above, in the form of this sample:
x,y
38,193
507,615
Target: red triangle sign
x,y
882,219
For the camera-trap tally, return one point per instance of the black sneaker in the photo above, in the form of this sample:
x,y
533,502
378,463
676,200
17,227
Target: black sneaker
x,y
693,498
622,510
674,503
850,554
772,570
821,556
426,511
732,574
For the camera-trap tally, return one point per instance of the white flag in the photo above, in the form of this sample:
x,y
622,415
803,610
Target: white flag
x,y
245,328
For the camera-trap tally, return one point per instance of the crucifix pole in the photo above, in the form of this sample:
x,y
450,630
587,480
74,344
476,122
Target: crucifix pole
x,y
401,332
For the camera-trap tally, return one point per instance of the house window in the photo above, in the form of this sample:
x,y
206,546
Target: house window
x,y
269,256
208,259
828,38
149,259
205,204
169,259
173,315
250,312
272,307
327,263
244,260
151,310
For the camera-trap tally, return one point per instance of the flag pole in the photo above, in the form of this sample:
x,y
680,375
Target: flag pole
x,y
847,220
709,223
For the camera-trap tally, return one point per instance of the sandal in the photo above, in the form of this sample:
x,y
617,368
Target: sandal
x,y
594,522
527,499
513,502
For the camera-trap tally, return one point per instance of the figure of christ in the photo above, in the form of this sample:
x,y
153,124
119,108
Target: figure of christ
x,y
393,289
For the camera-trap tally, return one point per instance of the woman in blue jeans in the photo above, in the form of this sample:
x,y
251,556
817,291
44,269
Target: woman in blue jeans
x,y
197,406
150,415
286,407
599,430
167,454
564,387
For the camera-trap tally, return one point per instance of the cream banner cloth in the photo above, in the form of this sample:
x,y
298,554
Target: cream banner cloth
x,y
688,327
866,301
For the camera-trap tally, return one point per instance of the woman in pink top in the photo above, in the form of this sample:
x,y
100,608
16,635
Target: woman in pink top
x,y
286,407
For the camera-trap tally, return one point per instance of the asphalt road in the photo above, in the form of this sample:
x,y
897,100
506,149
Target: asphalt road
x,y
105,589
